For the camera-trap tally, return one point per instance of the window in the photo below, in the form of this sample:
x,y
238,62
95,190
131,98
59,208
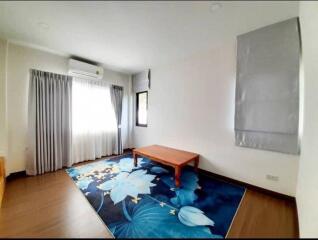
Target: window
x,y
94,127
141,108
92,110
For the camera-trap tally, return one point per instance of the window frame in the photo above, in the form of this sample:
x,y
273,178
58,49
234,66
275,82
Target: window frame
x,y
137,109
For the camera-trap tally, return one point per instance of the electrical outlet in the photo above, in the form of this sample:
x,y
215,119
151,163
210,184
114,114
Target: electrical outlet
x,y
272,178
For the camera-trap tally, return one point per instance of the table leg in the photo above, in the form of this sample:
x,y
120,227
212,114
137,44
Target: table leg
x,y
196,164
135,159
177,176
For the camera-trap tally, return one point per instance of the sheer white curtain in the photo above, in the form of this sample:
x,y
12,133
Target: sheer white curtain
x,y
94,129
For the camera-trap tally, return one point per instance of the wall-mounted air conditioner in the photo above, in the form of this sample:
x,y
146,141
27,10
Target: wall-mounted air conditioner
x,y
84,70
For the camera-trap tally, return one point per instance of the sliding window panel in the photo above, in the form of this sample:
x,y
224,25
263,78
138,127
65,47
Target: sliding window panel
x,y
267,88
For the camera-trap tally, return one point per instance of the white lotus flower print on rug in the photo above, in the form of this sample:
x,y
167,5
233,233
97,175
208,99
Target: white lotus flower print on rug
x,y
128,184
143,201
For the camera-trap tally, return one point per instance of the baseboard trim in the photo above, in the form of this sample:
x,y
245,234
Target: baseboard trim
x,y
16,175
20,174
244,184
247,185
128,149
205,172
258,189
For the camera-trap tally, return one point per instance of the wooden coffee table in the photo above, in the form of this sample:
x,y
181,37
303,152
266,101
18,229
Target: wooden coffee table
x,y
168,156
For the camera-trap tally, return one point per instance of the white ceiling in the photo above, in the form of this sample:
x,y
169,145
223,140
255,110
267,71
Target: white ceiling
x,y
133,36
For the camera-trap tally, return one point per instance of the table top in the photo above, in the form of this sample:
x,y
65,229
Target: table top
x,y
166,154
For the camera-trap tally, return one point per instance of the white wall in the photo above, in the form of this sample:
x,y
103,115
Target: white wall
x,y
3,50
20,60
307,188
191,107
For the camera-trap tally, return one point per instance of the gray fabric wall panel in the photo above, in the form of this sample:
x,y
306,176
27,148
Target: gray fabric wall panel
x,y
140,81
277,142
267,88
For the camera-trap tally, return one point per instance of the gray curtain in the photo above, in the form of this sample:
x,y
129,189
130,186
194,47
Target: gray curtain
x,y
267,88
117,93
49,122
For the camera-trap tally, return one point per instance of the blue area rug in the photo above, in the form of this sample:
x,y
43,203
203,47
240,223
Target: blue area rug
x,y
143,202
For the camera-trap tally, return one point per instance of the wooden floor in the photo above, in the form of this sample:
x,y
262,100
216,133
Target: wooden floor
x,y
266,216
52,206
48,206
